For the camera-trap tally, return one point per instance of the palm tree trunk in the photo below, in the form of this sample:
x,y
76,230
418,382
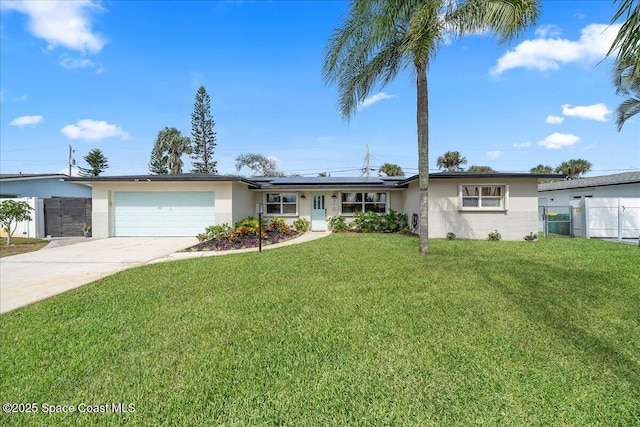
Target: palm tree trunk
x,y
422,118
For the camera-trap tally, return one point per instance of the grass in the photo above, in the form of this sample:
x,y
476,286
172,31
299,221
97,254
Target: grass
x,y
20,245
352,329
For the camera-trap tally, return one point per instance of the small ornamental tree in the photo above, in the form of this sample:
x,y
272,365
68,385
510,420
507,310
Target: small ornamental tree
x,y
13,212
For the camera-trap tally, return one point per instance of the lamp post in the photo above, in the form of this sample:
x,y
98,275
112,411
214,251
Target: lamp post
x,y
259,211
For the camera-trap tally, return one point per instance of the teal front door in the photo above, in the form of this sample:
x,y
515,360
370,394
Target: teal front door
x,y
318,212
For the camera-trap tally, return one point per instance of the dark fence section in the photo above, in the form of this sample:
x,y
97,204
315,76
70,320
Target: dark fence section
x,y
66,216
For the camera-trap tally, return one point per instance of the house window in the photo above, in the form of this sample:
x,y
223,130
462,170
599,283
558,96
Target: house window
x,y
483,197
282,204
363,202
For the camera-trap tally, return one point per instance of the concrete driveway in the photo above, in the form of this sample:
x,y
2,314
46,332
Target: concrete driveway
x,y
34,276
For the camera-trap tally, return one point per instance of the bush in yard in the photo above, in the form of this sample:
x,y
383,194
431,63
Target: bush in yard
x,y
338,224
301,225
370,222
248,226
494,236
13,212
531,237
451,235
279,225
217,231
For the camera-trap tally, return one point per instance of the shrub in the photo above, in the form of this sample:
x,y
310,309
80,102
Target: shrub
x,y
217,231
531,237
451,235
391,222
280,225
301,225
495,236
248,226
338,224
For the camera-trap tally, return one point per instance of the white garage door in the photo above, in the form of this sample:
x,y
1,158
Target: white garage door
x,y
163,213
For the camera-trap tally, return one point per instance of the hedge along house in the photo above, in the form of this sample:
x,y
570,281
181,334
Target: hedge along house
x,y
468,204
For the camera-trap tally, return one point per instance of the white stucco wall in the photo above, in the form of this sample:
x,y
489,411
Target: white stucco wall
x,y
445,215
102,209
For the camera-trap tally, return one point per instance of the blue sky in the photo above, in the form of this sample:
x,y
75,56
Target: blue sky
x,y
111,74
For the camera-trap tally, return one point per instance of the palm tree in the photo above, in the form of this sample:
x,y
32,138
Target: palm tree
x,y
626,74
173,145
380,38
391,169
573,168
541,169
451,161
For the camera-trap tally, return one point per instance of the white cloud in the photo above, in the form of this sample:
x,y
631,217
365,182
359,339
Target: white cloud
x,y
93,130
548,30
375,98
522,144
559,140
61,22
71,63
544,54
597,112
494,154
554,120
26,120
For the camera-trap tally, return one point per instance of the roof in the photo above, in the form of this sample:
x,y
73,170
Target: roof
x,y
595,181
283,183
330,182
24,176
161,178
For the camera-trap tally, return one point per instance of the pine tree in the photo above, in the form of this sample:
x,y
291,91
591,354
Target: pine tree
x,y
97,163
158,162
203,137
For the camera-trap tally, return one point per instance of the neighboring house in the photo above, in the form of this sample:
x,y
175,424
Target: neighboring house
x,y
468,204
562,192
42,186
599,206
53,201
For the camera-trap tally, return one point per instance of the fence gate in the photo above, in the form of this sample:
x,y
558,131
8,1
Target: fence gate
x,y
66,216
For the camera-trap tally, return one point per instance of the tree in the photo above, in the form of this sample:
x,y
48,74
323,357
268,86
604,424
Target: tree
x,y
541,169
573,168
480,169
166,156
451,161
97,163
259,164
390,169
626,74
380,38
158,164
13,212
202,134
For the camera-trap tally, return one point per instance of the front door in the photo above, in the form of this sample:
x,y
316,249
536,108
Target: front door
x,y
318,212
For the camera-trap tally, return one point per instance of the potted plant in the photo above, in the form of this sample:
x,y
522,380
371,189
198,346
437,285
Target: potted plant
x,y
86,230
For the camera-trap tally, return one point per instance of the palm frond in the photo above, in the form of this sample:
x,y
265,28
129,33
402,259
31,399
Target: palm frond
x,y
627,109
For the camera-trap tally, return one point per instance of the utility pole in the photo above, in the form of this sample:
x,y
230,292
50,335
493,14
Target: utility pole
x,y
72,161
365,168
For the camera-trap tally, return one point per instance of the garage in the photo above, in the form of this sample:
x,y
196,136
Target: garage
x,y
162,213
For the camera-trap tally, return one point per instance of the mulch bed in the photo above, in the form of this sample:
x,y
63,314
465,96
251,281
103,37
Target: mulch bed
x,y
242,242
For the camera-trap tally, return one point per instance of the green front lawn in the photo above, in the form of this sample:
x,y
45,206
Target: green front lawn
x,y
352,329
20,245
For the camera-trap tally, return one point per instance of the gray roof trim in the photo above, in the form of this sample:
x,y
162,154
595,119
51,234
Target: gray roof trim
x,y
594,181
163,178
29,176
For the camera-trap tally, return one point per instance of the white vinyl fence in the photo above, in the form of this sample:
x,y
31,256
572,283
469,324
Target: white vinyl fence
x,y
35,227
599,217
612,217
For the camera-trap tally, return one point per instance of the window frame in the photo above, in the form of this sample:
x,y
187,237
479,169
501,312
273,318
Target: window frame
x,y
504,198
363,202
281,203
